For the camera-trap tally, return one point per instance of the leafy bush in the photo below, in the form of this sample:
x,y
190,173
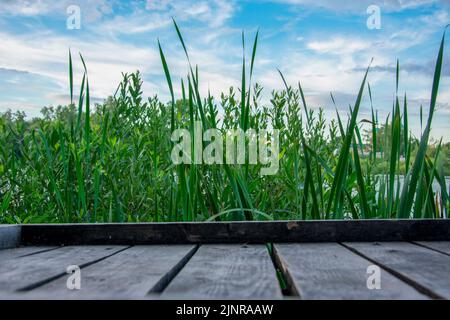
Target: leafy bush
x,y
112,164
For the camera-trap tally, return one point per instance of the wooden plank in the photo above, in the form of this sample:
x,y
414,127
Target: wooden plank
x,y
427,270
237,232
226,271
20,252
129,274
439,246
9,236
34,270
330,271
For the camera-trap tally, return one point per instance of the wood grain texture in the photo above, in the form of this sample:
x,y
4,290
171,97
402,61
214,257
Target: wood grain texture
x,y
428,270
440,246
20,252
237,232
10,236
33,270
226,272
330,271
129,274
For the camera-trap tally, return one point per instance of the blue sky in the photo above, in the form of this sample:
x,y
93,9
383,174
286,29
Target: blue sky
x,y
325,45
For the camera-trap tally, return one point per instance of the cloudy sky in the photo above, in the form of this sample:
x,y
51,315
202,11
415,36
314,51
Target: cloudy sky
x,y
326,45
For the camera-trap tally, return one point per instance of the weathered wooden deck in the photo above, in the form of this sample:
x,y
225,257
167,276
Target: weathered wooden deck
x,y
316,260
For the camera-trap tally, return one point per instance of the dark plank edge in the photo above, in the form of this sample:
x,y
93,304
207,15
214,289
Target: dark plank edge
x,y
62,274
237,232
280,264
10,236
422,289
39,251
127,275
162,284
224,271
429,248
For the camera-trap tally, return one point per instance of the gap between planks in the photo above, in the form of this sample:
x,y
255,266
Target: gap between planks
x,y
332,271
55,277
438,246
165,280
40,250
405,277
277,263
227,271
138,272
96,271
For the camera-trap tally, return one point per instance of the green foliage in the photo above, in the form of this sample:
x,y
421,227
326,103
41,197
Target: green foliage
x,y
111,162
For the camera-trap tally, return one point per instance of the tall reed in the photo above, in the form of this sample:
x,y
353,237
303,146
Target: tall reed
x,y
111,162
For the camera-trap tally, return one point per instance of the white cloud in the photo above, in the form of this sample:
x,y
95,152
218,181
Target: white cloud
x,y
49,59
25,7
339,45
91,10
159,13
127,42
361,5
137,22
107,58
438,19
158,5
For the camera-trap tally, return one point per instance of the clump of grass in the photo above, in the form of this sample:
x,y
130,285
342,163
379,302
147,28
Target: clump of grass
x,y
111,162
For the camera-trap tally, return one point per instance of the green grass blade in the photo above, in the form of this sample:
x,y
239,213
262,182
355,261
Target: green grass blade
x,y
344,154
406,202
70,77
169,83
406,134
360,182
394,156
